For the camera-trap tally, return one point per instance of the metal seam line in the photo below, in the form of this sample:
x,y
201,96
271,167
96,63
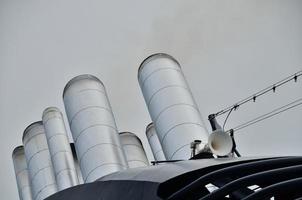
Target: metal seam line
x,y
32,137
92,126
58,152
39,172
21,171
162,89
138,146
43,189
173,105
155,71
66,169
158,151
29,160
45,122
56,134
84,90
138,161
101,166
185,123
100,144
178,150
85,108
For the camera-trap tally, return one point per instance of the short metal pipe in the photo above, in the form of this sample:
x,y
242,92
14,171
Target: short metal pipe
x,y
41,174
154,142
134,150
59,147
22,174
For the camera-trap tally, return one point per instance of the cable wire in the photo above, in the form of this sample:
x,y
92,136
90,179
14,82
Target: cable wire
x,y
227,118
261,92
269,114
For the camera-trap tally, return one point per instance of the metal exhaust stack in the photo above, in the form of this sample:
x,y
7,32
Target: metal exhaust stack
x,y
134,150
93,128
59,147
38,159
21,172
171,106
154,143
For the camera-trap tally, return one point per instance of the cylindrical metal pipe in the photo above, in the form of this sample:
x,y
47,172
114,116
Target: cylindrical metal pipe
x,y
38,159
93,128
154,143
76,163
171,105
134,150
59,147
21,172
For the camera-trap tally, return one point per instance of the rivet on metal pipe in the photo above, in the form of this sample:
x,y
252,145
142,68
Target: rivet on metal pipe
x,y
134,150
154,143
171,106
59,147
93,128
21,172
41,174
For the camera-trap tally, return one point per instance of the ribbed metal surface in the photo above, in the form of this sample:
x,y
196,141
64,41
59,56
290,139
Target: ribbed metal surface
x,y
154,143
134,150
40,168
21,172
170,103
59,147
93,128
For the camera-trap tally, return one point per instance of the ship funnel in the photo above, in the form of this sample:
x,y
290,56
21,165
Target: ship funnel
x,y
59,147
172,108
21,172
134,150
38,159
154,143
220,143
93,128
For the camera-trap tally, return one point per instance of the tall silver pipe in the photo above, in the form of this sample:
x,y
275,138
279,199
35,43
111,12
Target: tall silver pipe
x,y
93,128
154,143
59,147
38,159
134,150
21,172
170,103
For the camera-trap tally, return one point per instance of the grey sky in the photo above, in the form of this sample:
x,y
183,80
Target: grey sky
x,y
227,49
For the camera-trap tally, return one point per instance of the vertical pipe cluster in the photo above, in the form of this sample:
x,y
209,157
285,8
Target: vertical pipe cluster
x,y
93,128
59,147
154,143
171,105
21,171
38,159
134,150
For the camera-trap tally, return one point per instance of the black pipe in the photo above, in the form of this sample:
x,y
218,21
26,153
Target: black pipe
x,y
213,122
237,170
266,177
